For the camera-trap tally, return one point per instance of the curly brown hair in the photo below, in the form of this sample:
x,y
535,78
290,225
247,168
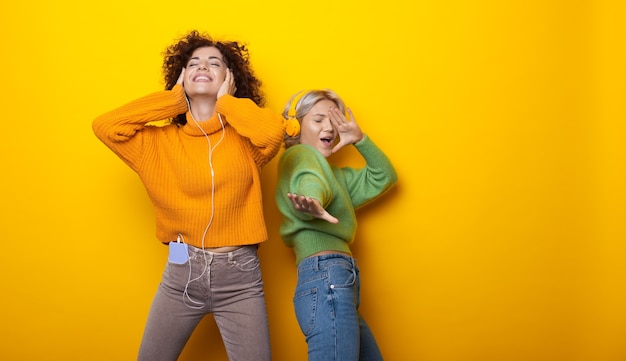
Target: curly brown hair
x,y
236,57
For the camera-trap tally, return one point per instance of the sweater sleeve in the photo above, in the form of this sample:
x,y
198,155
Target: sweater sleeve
x,y
303,171
262,126
121,128
369,182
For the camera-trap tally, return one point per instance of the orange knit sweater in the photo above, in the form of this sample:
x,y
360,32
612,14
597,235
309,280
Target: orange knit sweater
x,y
173,164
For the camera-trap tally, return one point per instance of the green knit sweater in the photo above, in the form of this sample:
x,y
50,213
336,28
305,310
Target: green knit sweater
x,y
304,171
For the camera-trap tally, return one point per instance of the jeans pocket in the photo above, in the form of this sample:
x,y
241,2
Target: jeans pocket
x,y
247,263
175,276
342,274
305,305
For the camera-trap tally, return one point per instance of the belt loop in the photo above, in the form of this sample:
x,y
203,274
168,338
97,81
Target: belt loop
x,y
316,263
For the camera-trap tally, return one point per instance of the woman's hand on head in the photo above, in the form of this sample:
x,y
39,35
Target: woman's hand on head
x,y
228,86
181,77
311,206
348,130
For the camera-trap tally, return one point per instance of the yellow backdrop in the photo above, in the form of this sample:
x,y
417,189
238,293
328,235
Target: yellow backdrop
x,y
504,239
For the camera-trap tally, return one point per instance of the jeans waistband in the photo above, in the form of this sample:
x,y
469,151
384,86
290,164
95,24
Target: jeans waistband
x,y
313,262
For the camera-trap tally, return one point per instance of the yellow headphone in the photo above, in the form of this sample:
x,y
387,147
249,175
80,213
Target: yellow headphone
x,y
292,125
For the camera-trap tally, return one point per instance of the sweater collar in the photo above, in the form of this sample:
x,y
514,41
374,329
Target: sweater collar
x,y
209,126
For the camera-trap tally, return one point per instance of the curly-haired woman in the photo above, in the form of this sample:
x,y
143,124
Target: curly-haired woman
x,y
202,172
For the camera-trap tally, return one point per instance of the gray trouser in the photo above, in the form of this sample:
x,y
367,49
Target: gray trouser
x,y
229,286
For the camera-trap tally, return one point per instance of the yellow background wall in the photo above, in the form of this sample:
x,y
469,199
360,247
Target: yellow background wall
x,y
504,239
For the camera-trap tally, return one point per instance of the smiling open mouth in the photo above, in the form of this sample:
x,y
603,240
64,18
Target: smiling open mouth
x,y
202,78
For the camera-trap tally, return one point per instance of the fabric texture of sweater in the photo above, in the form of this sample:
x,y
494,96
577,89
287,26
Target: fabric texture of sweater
x,y
304,171
204,179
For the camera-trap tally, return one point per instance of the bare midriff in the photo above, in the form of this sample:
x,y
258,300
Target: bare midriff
x,y
222,249
322,253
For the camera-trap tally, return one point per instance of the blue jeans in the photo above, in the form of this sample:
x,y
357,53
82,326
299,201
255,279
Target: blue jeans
x,y
326,302
229,286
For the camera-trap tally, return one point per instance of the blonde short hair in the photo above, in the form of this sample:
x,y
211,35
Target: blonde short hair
x,y
304,105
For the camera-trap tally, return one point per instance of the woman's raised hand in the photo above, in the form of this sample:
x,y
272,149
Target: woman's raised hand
x,y
348,130
228,86
311,206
